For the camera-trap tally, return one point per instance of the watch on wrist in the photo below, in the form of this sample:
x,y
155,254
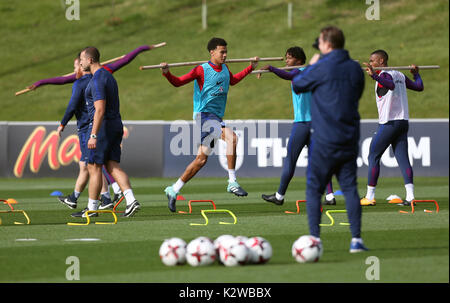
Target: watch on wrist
x,y
93,136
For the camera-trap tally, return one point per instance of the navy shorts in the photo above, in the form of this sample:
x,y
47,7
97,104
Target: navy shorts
x,y
83,138
109,139
211,128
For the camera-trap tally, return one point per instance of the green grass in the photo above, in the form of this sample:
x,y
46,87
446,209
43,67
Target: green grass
x,y
412,248
37,42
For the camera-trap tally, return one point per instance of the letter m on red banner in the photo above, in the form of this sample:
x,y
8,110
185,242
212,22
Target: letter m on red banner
x,y
37,147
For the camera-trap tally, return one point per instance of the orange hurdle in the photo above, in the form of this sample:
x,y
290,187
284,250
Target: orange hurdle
x,y
298,207
424,201
9,202
117,204
196,201
413,202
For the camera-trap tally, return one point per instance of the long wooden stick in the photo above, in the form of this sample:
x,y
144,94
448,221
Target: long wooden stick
x,y
201,62
405,67
23,91
262,71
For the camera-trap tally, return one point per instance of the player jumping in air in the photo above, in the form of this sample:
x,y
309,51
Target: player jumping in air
x,y
212,81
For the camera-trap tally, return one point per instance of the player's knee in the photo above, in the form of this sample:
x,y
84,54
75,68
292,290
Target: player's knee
x,y
201,160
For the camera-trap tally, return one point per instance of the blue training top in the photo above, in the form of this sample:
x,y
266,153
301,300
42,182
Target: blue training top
x,y
103,86
77,104
302,104
213,96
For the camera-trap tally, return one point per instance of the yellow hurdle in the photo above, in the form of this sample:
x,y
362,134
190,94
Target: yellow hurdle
x,y
88,219
203,211
332,219
17,211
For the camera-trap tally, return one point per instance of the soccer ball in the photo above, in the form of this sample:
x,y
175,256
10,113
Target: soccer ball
x,y
233,252
173,251
307,249
200,252
260,250
218,243
242,239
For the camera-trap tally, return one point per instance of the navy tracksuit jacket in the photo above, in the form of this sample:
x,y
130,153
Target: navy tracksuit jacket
x,y
336,83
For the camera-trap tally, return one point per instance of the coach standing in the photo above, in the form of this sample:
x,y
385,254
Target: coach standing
x,y
336,83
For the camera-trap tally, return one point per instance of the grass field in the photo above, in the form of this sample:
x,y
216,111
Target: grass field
x,y
411,247
37,42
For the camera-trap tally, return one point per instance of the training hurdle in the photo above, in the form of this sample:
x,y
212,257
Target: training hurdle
x,y
196,201
298,207
328,213
88,218
117,204
203,211
413,202
12,210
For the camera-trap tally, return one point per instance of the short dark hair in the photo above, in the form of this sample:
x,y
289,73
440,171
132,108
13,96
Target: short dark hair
x,y
92,52
297,52
214,42
333,35
382,54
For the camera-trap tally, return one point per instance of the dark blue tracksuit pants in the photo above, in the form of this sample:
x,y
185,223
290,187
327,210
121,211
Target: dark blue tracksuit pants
x,y
395,133
324,161
299,138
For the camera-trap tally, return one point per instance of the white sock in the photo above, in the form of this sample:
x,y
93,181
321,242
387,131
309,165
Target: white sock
x,y
409,191
116,188
357,240
129,196
278,196
329,196
231,175
76,194
106,194
92,204
178,185
370,192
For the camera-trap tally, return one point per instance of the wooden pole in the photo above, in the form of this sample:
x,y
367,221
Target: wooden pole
x,y
261,71
204,15
201,62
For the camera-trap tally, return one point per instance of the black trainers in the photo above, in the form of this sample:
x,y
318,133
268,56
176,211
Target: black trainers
x,y
117,197
68,201
405,203
131,209
272,198
81,214
329,202
105,203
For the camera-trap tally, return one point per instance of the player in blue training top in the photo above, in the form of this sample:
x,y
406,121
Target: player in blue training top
x,y
212,81
106,131
301,127
77,107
